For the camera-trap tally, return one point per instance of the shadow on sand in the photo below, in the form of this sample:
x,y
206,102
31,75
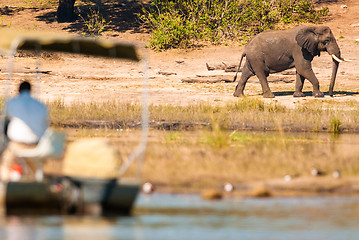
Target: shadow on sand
x,y
120,16
309,93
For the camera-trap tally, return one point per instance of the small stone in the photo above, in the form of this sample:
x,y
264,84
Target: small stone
x,y
336,174
287,178
211,194
228,187
261,192
316,172
166,73
344,6
148,188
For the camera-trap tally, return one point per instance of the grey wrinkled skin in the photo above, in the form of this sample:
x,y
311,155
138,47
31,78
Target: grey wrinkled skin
x,y
275,51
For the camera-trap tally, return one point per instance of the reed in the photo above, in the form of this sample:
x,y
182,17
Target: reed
x,y
244,114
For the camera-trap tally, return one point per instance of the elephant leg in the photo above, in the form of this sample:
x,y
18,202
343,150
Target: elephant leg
x,y
299,82
258,68
306,71
314,81
246,74
267,93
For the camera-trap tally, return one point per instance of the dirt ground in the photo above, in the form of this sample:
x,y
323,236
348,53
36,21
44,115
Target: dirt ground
x,y
82,78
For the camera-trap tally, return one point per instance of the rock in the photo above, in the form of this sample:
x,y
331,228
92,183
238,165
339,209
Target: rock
x,y
355,25
315,172
287,178
336,174
166,73
228,187
211,194
210,68
208,79
222,66
261,192
148,188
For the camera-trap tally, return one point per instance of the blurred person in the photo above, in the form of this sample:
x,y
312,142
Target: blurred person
x,y
27,121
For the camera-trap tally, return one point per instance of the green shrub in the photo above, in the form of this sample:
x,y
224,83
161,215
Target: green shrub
x,y
335,125
94,23
181,24
170,31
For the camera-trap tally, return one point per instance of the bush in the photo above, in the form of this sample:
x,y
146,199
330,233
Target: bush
x,y
168,30
335,125
181,24
94,23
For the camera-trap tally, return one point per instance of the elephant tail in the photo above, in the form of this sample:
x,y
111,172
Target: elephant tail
x,y
239,66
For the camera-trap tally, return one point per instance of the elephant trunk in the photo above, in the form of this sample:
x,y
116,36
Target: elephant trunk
x,y
334,51
334,74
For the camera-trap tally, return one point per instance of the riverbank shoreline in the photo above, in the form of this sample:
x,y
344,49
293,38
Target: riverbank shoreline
x,y
278,163
277,188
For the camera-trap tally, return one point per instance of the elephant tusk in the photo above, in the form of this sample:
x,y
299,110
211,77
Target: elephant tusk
x,y
336,58
347,60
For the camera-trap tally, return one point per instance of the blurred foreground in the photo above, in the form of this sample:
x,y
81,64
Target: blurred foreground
x,y
191,161
162,216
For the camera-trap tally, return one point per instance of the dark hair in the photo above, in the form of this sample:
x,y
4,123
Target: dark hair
x,y
25,86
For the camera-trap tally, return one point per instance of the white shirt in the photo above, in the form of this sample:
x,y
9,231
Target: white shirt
x,y
28,119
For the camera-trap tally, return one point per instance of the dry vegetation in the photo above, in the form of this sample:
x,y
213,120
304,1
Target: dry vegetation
x,y
203,146
249,113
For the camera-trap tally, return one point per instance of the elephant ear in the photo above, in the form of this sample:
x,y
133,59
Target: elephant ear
x,y
308,39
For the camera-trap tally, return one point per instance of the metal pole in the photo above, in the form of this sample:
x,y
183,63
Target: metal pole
x,y
38,71
13,49
139,152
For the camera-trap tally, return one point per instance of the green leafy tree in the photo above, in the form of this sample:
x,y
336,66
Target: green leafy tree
x,y
176,23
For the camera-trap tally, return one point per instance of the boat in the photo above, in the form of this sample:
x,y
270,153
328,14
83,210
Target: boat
x,y
49,195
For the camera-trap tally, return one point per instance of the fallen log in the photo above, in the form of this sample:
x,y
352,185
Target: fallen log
x,y
222,66
208,79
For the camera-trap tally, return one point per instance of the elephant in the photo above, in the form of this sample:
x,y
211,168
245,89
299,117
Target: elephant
x,y
274,51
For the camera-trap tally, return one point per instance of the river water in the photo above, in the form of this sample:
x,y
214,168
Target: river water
x,y
168,216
